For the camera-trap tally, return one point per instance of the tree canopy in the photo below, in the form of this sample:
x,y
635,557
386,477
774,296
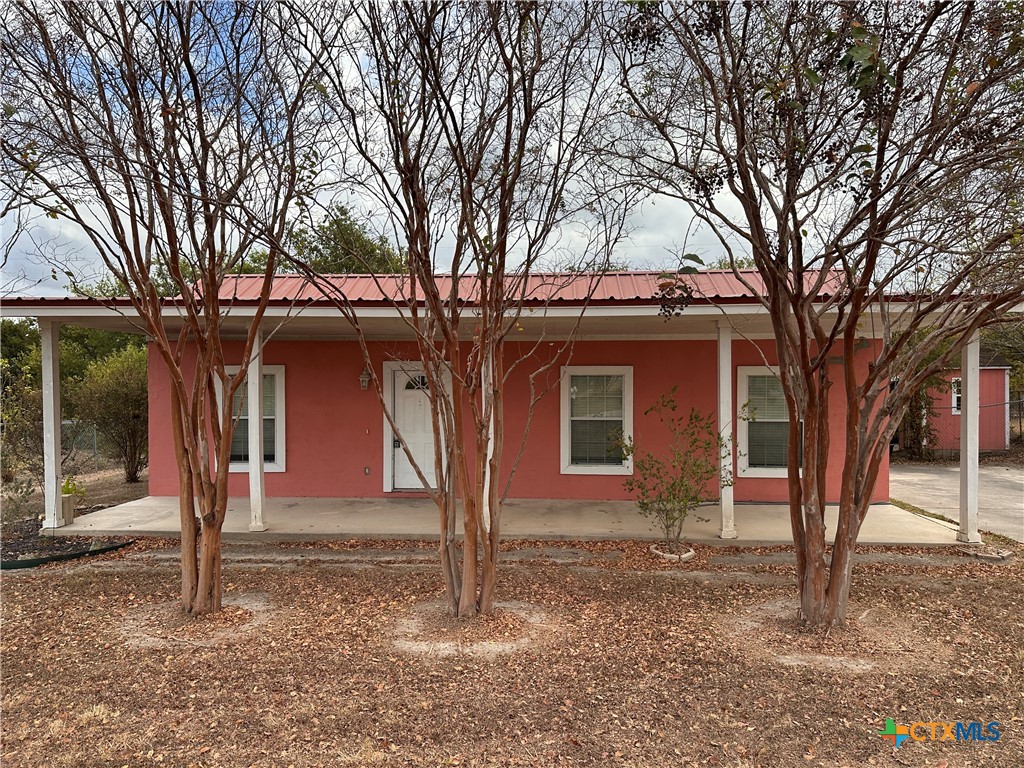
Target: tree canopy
x,y
866,158
338,244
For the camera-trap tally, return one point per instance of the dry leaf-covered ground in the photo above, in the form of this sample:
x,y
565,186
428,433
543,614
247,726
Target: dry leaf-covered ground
x,y
19,522
630,662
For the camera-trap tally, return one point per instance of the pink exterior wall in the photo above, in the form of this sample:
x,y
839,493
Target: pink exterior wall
x,y
334,430
994,416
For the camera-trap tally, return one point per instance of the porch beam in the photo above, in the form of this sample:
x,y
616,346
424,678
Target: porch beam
x,y
727,529
969,418
49,332
254,418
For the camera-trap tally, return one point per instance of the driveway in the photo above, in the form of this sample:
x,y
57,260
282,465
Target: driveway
x,y
937,489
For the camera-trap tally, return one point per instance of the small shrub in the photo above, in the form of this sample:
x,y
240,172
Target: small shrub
x,y
71,487
15,499
669,487
114,396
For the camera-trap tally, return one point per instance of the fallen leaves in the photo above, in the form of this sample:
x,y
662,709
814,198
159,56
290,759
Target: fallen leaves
x,y
643,670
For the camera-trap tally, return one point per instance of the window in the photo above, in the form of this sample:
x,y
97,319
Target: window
x,y
762,423
273,422
418,382
954,388
597,414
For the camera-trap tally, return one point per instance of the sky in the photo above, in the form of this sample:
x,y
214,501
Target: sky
x,y
659,230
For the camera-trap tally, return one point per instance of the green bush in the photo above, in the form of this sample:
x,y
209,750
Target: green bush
x,y
670,486
113,395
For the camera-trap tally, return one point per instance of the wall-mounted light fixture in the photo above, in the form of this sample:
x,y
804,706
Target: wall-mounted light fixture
x,y
364,378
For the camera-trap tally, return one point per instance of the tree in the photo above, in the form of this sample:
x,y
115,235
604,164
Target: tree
x,y
735,262
114,397
867,158
916,431
78,347
177,137
1007,339
338,244
471,128
21,414
668,488
18,339
21,390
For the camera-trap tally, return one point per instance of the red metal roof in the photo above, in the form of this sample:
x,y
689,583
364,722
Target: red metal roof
x,y
611,287
541,288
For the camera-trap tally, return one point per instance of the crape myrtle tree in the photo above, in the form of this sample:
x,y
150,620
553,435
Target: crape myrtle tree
x,y
178,137
867,159
472,127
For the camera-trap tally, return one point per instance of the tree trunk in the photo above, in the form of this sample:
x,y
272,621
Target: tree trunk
x,y
449,553
186,509
495,437
208,589
489,570
488,584
468,605
839,582
812,583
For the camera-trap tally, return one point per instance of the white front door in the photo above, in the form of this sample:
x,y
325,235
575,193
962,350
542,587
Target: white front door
x,y
412,417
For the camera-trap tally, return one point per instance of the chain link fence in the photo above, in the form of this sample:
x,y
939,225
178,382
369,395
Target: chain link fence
x,y
81,446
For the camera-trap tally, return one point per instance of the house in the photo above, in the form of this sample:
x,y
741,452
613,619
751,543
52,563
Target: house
x,y
324,433
994,402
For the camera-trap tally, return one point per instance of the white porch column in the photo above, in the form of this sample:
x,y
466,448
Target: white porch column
x,y
969,416
49,332
254,416
725,426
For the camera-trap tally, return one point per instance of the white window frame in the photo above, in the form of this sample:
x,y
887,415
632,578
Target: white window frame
x,y
277,371
743,468
568,371
956,394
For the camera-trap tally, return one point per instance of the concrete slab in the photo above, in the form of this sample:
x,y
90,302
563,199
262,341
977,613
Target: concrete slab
x,y
321,518
936,488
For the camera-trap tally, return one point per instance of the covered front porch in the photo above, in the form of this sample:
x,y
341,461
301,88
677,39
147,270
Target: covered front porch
x,y
273,512
325,518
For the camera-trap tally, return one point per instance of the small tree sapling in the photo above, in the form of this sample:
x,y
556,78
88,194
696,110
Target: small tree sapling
x,y
669,485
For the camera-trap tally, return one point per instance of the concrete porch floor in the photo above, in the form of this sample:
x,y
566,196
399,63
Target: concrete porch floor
x,y
329,518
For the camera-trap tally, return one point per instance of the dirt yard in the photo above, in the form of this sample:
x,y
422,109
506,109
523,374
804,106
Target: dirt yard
x,y
597,657
20,522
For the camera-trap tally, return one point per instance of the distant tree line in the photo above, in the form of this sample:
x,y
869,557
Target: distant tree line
x,y
103,384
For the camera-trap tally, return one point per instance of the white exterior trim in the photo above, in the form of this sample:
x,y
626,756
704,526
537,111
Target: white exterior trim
x,y
636,310
970,412
1006,410
743,468
277,371
955,394
626,371
49,333
254,407
727,527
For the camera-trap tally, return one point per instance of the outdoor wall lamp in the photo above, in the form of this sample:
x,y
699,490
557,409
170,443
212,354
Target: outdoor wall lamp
x,y
364,378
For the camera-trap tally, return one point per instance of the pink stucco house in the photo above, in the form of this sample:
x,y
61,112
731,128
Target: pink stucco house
x,y
324,433
994,406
